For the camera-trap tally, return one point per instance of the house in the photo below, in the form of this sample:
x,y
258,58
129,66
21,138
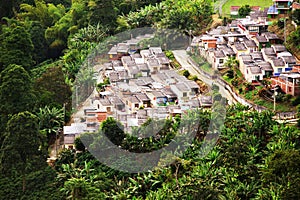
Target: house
x,y
182,91
144,99
175,111
117,51
251,26
266,68
145,53
133,103
71,132
133,71
268,53
114,77
240,49
257,56
103,104
193,86
272,38
155,50
253,74
234,11
228,51
283,6
272,11
205,101
208,42
288,59
153,64
117,103
288,82
93,115
278,48
157,98
126,60
278,66
172,97
163,61
144,69
244,61
219,59
250,45
261,41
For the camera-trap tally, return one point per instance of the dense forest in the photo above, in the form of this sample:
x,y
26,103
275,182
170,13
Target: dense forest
x,y
43,43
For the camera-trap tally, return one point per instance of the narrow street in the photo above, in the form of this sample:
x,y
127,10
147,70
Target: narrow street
x,y
182,57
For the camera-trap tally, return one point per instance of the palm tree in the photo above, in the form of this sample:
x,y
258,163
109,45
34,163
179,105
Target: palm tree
x,y
50,121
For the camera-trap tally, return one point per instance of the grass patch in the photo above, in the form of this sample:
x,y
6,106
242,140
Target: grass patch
x,y
207,68
229,3
203,64
227,79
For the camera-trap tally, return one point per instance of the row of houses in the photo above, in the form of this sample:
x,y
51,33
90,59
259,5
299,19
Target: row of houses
x,y
260,54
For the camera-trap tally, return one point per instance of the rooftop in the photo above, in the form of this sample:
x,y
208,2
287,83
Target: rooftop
x,y
279,48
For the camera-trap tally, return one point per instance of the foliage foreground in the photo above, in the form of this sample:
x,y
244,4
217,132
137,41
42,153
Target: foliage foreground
x,y
254,158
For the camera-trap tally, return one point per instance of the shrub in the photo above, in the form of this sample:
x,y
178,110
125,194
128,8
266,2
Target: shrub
x,y
186,73
296,101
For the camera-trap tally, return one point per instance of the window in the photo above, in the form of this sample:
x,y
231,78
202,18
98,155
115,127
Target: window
x,y
221,61
184,94
279,70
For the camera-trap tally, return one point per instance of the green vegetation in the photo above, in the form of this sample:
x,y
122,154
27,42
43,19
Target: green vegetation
x,y
253,159
43,44
203,65
229,3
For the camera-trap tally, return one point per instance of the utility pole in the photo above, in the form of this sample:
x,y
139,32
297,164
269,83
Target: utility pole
x,y
284,30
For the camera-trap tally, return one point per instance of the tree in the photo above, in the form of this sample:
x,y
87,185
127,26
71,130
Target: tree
x,y
244,10
40,52
58,93
113,130
21,144
16,94
283,169
50,121
16,42
98,13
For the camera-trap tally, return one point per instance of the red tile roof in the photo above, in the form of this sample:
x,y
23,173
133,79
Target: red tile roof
x,y
234,8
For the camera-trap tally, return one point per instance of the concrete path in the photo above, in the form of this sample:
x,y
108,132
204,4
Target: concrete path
x,y
182,58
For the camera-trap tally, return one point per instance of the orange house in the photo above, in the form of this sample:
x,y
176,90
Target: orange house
x,y
289,83
208,42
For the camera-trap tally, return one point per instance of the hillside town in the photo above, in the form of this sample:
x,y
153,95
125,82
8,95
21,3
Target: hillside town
x,y
143,85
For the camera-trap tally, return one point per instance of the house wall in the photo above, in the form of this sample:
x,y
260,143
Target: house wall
x,y
253,77
209,43
286,86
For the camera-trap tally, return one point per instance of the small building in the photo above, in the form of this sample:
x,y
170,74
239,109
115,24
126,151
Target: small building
x,y
278,66
288,82
157,98
208,42
253,74
240,49
144,100
266,69
205,101
283,6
